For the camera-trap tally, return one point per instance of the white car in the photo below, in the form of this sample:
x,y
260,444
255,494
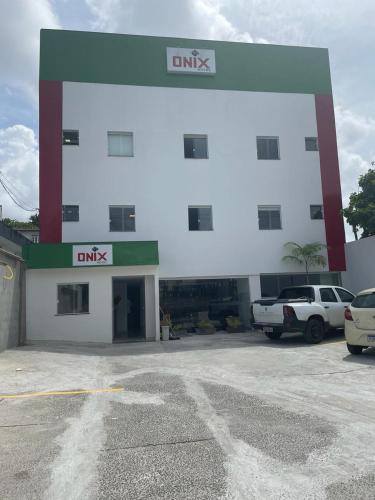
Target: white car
x,y
360,322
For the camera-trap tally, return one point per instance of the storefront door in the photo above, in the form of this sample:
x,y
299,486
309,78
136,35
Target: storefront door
x,y
128,309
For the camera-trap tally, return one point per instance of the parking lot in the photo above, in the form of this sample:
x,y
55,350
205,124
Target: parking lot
x,y
231,416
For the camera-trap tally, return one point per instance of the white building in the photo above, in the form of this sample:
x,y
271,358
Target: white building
x,y
193,162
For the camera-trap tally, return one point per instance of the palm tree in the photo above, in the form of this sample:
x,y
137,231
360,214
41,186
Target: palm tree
x,y
306,255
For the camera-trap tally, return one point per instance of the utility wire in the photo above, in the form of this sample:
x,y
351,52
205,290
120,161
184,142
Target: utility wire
x,y
13,197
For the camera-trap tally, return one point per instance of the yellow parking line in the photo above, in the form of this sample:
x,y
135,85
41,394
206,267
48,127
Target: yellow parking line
x,y
59,393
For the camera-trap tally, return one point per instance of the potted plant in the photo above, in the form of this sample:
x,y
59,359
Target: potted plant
x,y
164,324
205,327
180,329
234,324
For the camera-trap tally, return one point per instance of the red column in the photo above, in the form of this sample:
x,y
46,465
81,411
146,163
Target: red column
x,y
50,160
331,188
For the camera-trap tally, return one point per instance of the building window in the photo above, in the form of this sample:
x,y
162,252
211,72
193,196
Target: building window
x,y
311,144
70,137
122,218
70,213
269,217
316,212
35,238
120,144
195,146
268,148
73,299
200,218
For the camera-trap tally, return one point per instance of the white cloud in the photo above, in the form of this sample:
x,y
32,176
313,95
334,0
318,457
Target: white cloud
x,y
19,164
20,23
182,18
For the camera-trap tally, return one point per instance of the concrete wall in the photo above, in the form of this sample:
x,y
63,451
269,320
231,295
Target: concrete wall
x,y
43,322
161,183
12,301
360,264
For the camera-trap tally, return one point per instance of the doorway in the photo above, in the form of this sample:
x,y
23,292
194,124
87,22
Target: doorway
x,y
128,305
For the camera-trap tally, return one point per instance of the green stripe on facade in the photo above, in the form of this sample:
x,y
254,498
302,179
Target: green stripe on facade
x,y
78,56
60,255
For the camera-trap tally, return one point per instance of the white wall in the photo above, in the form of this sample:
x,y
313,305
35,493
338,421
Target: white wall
x,y
161,183
360,258
42,320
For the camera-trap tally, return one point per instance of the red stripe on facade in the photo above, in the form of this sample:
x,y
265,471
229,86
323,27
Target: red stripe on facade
x,y
331,188
50,160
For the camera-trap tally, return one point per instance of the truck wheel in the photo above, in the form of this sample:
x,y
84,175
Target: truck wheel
x,y
354,349
314,331
273,335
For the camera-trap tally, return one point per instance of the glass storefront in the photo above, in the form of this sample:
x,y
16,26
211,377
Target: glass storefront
x,y
272,284
191,301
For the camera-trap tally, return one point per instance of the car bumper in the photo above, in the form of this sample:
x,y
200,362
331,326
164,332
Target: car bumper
x,y
355,336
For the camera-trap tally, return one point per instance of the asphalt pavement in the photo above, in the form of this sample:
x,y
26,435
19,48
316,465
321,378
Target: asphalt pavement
x,y
225,416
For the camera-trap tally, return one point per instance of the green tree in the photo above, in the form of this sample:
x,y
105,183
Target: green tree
x,y
360,213
16,224
307,255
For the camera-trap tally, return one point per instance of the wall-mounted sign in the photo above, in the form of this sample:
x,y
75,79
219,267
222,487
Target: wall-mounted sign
x,y
92,255
200,61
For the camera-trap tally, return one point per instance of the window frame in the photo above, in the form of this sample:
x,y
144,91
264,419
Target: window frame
x,y
58,300
123,134
339,290
269,208
69,143
333,294
122,220
212,218
69,220
309,138
322,212
268,137
196,136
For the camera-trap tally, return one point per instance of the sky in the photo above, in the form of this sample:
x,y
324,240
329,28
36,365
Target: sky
x,y
345,27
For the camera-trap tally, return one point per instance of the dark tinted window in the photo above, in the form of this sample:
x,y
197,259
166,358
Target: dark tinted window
x,y
73,299
70,137
269,217
70,213
316,212
311,144
298,293
200,218
268,148
122,218
195,146
344,295
327,295
365,301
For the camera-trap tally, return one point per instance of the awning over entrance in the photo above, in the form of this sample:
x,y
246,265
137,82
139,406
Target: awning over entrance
x,y
68,255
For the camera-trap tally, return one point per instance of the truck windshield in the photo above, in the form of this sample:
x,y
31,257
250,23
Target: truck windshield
x,y
298,292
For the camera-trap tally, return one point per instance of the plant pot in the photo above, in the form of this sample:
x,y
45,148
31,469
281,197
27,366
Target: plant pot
x,y
165,332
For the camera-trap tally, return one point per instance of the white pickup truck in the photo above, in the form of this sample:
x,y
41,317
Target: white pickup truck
x,y
310,309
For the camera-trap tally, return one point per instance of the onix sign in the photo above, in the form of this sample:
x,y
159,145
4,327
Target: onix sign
x,y
92,255
200,61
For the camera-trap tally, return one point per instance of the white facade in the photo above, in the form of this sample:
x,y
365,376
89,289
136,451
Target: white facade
x,y
43,322
161,183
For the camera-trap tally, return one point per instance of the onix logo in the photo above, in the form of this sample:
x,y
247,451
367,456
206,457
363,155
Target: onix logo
x,y
191,62
93,256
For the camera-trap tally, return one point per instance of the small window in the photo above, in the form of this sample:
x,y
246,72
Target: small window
x,y
344,295
122,218
364,301
70,213
200,218
120,144
73,299
268,148
195,146
70,137
327,295
311,144
269,217
316,212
